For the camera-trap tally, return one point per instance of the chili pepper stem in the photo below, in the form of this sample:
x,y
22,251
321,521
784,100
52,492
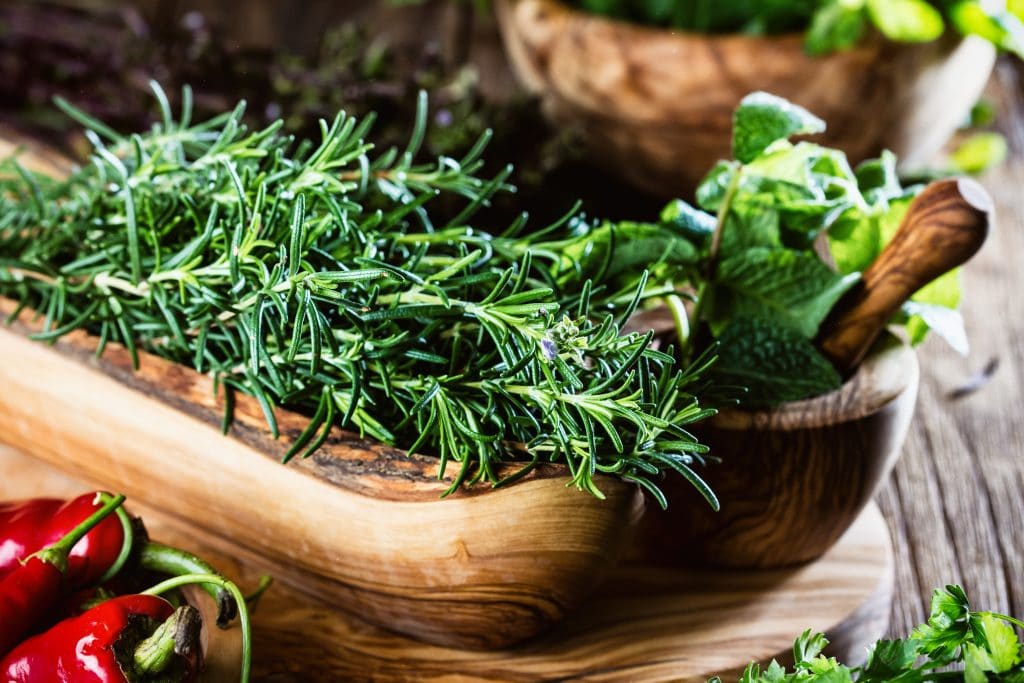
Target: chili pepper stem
x,y
179,635
164,559
128,529
57,554
243,612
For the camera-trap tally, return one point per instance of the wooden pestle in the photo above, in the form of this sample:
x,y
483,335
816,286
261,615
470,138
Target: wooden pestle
x,y
944,227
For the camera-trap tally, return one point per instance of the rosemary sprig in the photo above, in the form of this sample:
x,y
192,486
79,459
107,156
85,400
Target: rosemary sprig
x,y
314,276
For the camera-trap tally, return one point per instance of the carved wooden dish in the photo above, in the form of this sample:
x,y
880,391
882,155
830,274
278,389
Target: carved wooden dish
x,y
656,106
792,479
358,524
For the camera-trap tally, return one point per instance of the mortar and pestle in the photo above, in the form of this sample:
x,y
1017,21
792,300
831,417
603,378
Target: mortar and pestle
x,y
792,479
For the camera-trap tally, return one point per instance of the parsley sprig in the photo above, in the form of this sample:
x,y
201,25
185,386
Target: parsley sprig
x,y
956,644
316,275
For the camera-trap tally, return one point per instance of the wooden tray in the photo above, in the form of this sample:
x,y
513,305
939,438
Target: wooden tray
x,y
644,624
358,523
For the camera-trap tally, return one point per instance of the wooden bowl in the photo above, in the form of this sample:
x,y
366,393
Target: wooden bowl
x,y
358,524
792,479
655,106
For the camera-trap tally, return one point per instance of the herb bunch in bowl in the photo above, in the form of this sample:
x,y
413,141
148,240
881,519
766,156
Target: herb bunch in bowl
x,y
314,275
781,234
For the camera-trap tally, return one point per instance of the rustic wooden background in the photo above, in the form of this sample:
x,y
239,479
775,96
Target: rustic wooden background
x,y
955,504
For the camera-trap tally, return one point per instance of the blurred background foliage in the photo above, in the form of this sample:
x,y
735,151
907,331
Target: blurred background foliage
x,y
305,61
299,62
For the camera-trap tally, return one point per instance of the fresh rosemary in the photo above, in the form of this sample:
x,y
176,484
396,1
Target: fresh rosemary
x,y
313,276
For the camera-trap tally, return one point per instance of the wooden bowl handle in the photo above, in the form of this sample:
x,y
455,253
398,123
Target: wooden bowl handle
x,y
945,226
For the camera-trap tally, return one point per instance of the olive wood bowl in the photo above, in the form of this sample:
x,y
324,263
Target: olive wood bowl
x,y
655,106
792,479
358,524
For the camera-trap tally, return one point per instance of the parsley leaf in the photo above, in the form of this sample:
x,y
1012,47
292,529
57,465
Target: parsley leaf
x,y
983,645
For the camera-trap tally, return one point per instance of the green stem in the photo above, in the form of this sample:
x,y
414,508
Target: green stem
x,y
178,635
677,308
57,554
712,261
1011,620
127,545
253,598
164,559
243,612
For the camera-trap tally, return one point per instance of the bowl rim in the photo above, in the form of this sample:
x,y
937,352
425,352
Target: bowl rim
x,y
889,372
790,40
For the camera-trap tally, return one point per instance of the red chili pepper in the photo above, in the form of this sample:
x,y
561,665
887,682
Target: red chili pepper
x,y
132,638
29,526
32,591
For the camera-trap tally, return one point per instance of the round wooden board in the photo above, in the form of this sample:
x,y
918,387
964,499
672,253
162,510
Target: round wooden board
x,y
645,624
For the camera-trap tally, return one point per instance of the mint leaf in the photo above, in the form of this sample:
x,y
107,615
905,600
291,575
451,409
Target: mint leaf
x,y
775,363
794,288
758,226
690,221
854,241
615,248
711,191
878,178
761,119
912,21
948,323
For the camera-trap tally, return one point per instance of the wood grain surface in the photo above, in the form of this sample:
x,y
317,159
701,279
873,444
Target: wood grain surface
x,y
376,538
645,624
470,570
794,478
955,504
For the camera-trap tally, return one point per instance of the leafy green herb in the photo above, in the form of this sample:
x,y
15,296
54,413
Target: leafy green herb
x,y
830,25
765,118
979,646
313,275
762,290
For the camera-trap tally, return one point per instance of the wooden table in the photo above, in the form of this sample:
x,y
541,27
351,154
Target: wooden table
x,y
955,504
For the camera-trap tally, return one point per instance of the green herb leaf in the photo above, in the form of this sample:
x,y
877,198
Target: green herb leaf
x,y
773,362
762,119
795,288
983,642
692,223
838,25
914,21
